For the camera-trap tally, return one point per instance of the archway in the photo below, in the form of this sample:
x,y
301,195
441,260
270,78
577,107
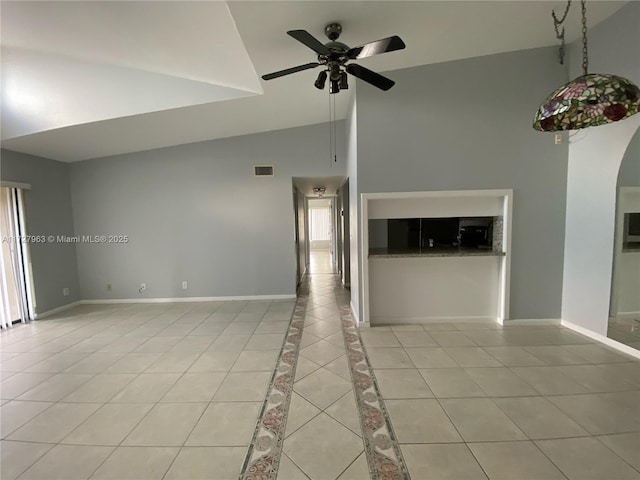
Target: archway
x,y
595,156
624,314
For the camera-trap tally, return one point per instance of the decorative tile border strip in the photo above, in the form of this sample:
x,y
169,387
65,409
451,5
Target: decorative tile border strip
x,y
263,458
380,444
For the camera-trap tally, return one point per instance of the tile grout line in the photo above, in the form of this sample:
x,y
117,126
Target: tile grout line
x,y
597,438
528,439
339,299
321,410
306,477
265,449
155,404
492,399
488,396
544,454
103,404
120,444
381,447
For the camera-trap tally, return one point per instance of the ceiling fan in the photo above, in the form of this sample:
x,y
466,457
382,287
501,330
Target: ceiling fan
x,y
334,56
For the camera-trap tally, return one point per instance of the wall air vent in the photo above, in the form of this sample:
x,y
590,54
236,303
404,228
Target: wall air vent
x,y
263,171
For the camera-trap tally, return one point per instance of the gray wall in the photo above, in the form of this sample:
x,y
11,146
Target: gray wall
x,y
467,125
196,213
48,212
355,253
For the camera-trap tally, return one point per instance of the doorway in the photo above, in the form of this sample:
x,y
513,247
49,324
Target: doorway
x,y
15,280
321,226
321,214
343,235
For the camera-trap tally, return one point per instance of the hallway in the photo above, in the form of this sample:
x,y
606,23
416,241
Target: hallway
x,y
320,261
209,390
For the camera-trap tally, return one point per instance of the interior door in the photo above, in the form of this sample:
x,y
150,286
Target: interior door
x,y
15,284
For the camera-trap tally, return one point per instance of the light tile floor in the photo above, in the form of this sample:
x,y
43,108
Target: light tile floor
x,y
322,438
536,402
173,391
137,391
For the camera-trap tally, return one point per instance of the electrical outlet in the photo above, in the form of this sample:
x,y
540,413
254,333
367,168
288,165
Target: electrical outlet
x,y
143,287
185,285
108,287
65,292
557,138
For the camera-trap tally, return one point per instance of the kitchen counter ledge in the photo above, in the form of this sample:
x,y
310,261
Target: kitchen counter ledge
x,y
434,252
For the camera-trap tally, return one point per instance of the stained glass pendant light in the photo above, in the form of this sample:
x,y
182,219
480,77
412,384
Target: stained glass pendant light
x,y
589,100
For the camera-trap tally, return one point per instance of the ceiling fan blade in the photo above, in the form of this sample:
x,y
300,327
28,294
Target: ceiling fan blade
x,y
288,71
310,41
390,44
369,76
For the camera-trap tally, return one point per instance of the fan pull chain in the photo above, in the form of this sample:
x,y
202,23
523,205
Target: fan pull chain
x,y
330,133
333,149
335,138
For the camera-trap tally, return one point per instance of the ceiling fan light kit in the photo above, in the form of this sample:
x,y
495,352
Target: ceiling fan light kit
x,y
321,80
589,100
344,83
334,55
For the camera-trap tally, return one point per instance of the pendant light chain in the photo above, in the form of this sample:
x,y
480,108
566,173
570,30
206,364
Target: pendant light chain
x,y
585,54
560,34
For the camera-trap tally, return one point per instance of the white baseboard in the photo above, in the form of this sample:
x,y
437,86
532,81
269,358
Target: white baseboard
x,y
399,320
602,339
188,299
531,321
39,316
628,315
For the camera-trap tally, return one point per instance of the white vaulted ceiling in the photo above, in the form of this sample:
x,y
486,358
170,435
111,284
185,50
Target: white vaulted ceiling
x,y
89,79
72,63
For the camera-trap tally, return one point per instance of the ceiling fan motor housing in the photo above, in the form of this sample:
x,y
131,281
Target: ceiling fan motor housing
x,y
333,31
338,50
